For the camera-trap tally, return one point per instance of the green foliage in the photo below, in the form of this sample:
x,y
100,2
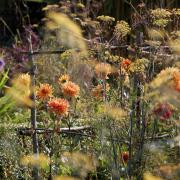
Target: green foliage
x,y
5,101
4,79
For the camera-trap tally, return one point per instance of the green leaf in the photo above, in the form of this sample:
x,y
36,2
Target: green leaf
x,y
4,80
5,104
6,107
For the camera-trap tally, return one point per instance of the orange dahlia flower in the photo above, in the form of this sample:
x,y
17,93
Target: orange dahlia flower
x,y
102,70
63,79
44,91
59,106
125,64
70,89
176,79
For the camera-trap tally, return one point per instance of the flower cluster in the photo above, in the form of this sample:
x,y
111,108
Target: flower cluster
x,y
139,65
176,11
110,57
160,13
161,22
80,5
122,28
161,17
106,19
59,106
68,88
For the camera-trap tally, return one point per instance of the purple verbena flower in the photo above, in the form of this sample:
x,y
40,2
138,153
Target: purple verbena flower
x,y
2,64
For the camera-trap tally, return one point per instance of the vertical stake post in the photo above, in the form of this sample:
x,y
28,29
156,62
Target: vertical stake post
x,y
35,172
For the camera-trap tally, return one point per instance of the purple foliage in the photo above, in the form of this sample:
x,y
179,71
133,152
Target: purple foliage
x,y
16,59
17,50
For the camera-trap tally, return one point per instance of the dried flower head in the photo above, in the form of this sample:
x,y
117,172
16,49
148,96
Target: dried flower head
x,y
121,30
176,11
58,106
175,34
110,57
63,79
106,19
160,17
102,70
50,7
80,5
44,91
139,65
161,22
160,13
70,89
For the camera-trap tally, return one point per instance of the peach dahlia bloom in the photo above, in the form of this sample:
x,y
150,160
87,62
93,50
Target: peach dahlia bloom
x,y
70,89
58,106
44,91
